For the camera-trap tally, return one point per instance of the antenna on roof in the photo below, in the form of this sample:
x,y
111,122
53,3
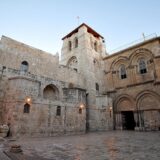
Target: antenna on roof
x,y
143,36
78,19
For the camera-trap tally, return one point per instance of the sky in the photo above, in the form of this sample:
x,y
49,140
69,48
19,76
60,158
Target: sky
x,y
43,23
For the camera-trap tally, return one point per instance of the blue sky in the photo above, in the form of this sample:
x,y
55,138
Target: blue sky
x,y
42,23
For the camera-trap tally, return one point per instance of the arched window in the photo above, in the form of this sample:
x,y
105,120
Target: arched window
x,y
24,66
123,74
80,110
142,66
97,87
69,45
50,92
72,63
26,108
95,46
58,112
76,42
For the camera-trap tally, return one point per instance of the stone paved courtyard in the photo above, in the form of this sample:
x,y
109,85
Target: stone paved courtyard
x,y
112,145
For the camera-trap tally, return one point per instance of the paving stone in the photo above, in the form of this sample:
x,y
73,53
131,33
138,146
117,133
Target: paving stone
x,y
112,145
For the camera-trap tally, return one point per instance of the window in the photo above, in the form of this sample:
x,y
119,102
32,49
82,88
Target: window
x,y
97,87
72,63
26,108
24,66
142,66
58,113
76,42
80,110
95,46
70,45
123,74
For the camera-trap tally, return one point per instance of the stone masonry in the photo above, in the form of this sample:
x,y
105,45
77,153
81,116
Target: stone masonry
x,y
87,90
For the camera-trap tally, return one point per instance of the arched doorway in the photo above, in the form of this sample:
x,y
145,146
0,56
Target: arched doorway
x,y
148,105
125,113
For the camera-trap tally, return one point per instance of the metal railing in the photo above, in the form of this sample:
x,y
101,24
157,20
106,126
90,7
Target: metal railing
x,y
145,38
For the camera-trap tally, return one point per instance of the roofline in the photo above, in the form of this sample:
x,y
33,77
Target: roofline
x,y
132,47
90,30
25,45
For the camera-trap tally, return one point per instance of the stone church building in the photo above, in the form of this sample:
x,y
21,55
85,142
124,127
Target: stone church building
x,y
87,90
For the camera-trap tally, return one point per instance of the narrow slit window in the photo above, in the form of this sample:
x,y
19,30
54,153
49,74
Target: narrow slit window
x,y
58,113
76,42
69,45
97,87
95,46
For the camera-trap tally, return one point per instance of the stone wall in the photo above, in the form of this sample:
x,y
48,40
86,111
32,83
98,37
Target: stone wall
x,y
138,93
42,119
82,91
90,65
13,53
148,50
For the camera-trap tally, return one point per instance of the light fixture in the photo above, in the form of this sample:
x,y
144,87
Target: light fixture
x,y
110,112
28,100
81,106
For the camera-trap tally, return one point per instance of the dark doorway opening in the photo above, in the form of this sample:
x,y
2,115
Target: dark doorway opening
x,y
128,122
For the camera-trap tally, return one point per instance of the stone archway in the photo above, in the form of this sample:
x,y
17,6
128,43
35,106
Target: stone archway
x,y
148,104
51,93
125,114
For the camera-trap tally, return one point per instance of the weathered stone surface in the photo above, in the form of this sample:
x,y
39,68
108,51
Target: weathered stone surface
x,y
116,145
40,96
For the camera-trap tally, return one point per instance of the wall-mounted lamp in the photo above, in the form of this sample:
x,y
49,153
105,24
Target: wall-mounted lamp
x,y
81,106
110,111
28,100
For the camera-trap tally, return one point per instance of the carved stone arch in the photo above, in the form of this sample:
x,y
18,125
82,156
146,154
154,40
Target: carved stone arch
x,y
72,63
124,103
119,61
141,53
148,100
51,92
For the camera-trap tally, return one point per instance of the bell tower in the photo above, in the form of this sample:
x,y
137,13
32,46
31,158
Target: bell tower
x,y
83,50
